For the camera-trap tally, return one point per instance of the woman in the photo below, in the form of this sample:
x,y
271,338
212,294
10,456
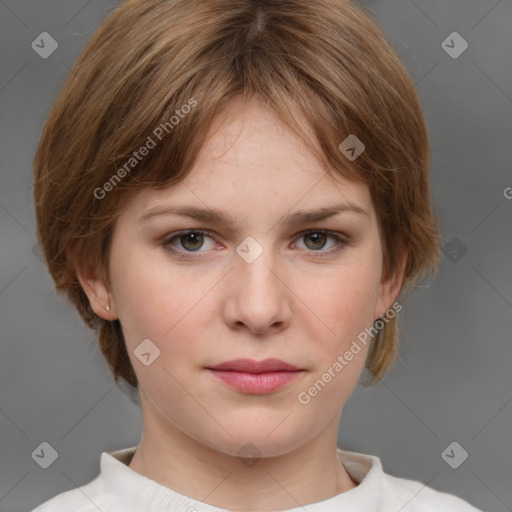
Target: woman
x,y
235,194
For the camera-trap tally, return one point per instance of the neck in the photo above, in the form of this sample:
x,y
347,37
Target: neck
x,y
309,474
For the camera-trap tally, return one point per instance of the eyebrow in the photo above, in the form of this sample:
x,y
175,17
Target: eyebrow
x,y
214,216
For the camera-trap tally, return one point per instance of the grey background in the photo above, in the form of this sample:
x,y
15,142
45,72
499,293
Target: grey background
x,y
455,383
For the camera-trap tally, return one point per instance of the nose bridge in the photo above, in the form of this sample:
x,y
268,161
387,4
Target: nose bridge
x,y
256,264
259,298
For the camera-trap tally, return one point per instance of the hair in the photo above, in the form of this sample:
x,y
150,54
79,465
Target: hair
x,y
323,61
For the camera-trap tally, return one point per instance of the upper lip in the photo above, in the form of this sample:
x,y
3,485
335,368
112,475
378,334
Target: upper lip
x,y
252,366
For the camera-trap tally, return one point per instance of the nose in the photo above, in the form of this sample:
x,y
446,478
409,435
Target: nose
x,y
258,297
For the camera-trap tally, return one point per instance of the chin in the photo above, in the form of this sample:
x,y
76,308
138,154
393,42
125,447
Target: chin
x,y
256,441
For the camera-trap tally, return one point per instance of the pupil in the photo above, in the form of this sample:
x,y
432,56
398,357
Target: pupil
x,y
194,237
316,238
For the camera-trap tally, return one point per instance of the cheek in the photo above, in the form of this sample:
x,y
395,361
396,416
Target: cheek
x,y
344,298
345,304
146,295
155,301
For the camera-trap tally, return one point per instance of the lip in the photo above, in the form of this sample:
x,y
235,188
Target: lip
x,y
252,366
256,377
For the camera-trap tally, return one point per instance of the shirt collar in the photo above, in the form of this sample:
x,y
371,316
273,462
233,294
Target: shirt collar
x,y
366,470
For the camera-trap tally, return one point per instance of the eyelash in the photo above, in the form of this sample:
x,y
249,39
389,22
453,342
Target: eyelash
x,y
166,244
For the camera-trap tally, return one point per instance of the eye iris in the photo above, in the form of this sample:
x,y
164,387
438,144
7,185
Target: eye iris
x,y
195,238
316,237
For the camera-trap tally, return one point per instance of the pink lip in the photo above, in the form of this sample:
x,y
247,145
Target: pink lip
x,y
256,377
251,366
255,383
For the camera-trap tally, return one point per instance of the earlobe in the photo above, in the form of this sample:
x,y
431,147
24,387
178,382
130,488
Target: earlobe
x,y
390,288
95,289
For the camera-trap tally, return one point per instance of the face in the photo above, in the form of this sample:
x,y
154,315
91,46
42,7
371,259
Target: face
x,y
263,283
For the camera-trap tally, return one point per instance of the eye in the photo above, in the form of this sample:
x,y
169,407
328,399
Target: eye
x,y
190,241
317,239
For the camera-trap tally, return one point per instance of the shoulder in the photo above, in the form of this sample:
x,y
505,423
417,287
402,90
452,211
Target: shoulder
x,y
100,493
86,498
389,493
415,496
69,500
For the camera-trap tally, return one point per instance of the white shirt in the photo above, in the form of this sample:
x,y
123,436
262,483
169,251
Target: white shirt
x,y
118,488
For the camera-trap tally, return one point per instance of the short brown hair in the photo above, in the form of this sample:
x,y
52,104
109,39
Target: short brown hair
x,y
326,59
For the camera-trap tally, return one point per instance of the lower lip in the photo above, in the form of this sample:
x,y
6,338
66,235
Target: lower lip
x,y
256,383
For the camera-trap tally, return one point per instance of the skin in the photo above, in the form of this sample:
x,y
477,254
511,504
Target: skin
x,y
290,303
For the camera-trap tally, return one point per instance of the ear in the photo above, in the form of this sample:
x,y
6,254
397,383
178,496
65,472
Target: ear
x,y
94,287
389,288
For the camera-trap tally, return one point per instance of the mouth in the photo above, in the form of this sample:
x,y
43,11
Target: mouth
x,y
256,377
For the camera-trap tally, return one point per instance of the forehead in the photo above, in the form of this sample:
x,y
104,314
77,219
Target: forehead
x,y
252,164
